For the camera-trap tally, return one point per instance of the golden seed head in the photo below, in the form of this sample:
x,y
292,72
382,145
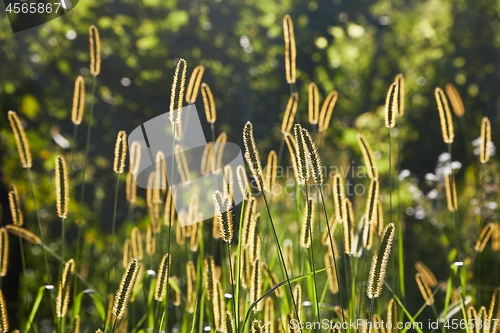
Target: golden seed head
x,y
326,111
484,237
208,103
257,326
177,294
222,204
290,142
219,306
315,165
330,271
256,284
127,253
243,182
182,165
378,268
131,188
150,240
371,213
271,170
137,251
484,152
391,105
177,91
78,107
426,274
392,312
120,152
400,80
220,144
229,322
95,50
4,317
4,252
313,103
252,154
24,234
290,111
22,143
425,290
77,325
62,187
210,279
62,299
380,219
455,99
298,297
348,228
303,156
228,181
194,84
339,197
307,224
269,315
162,279
124,291
451,192
207,160
290,49
135,157
15,207
191,286
493,310
444,116
368,158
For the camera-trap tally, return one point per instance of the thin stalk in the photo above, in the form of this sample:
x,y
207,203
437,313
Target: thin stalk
x,y
63,241
48,278
75,133
371,313
23,262
232,284
400,227
313,265
282,258
333,251
238,264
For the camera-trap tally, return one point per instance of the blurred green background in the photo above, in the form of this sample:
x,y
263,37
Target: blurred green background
x,y
354,47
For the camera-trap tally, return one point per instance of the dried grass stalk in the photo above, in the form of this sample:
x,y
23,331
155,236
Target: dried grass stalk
x,y
78,107
24,234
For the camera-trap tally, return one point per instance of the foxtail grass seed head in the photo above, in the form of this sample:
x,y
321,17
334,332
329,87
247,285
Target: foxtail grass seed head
x,y
371,209
191,286
307,224
243,182
222,206
219,306
256,284
207,160
15,207
127,253
120,152
131,189
209,272
392,313
314,159
426,274
455,99
290,142
4,252
136,242
135,157
62,299
62,187
248,216
444,116
228,180
303,157
326,111
124,291
194,84
78,107
348,228
252,154
484,237
76,328
391,105
451,192
208,103
269,314
368,157
400,80
380,218
330,271
298,297
290,49
182,166
229,323
150,240
194,240
425,290
273,281
162,279
339,197
95,51
378,268
484,152
177,91
4,317
257,326
493,311
220,144
271,170
24,234
22,143
313,104
290,111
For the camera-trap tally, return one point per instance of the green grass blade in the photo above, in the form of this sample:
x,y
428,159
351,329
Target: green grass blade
x,y
34,309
